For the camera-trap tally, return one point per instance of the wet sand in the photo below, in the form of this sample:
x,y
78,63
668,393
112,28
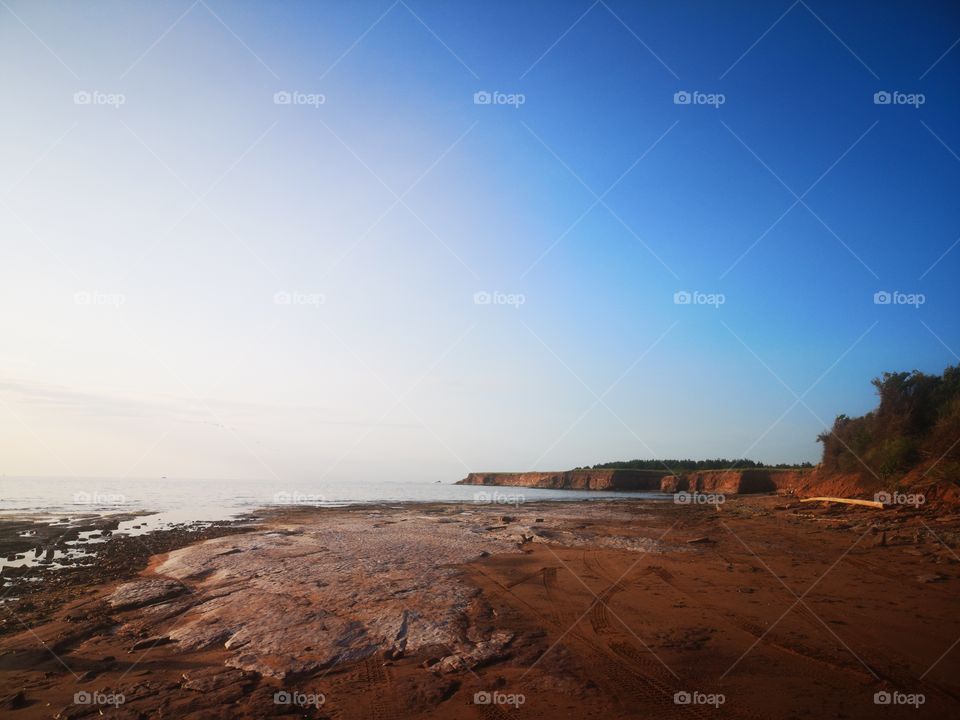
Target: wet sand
x,y
765,608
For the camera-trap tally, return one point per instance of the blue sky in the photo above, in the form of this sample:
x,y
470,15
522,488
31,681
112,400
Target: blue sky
x,y
146,237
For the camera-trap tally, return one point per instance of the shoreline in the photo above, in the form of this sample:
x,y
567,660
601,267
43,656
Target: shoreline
x,y
584,609
33,591
23,533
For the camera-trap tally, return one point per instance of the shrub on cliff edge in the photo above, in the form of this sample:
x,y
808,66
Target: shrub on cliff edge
x,y
916,425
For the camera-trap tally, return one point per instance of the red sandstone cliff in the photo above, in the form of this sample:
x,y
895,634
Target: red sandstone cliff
x,y
636,480
802,483
732,482
728,482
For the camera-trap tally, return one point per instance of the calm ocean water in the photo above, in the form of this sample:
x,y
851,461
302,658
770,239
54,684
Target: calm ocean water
x,y
183,500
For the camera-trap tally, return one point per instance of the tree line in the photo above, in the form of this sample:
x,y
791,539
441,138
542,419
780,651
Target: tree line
x,y
689,465
916,424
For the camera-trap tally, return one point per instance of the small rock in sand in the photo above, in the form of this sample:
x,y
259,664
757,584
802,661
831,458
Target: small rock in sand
x,y
14,702
150,642
145,592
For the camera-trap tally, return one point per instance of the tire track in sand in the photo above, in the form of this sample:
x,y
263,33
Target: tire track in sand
x,y
383,701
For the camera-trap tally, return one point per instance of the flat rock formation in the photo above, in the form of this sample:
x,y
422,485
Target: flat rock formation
x,y
299,597
305,595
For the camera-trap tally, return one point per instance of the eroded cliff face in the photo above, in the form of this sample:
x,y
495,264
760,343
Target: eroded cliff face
x,y
733,482
730,482
636,480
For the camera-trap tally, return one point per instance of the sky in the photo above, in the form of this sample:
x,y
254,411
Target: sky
x,y
410,240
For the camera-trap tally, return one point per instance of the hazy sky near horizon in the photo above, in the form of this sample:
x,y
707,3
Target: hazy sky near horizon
x,y
201,279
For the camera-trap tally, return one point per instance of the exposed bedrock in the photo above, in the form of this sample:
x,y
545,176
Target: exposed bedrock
x,y
301,597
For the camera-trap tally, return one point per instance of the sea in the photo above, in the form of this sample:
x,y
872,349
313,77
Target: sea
x,y
163,501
